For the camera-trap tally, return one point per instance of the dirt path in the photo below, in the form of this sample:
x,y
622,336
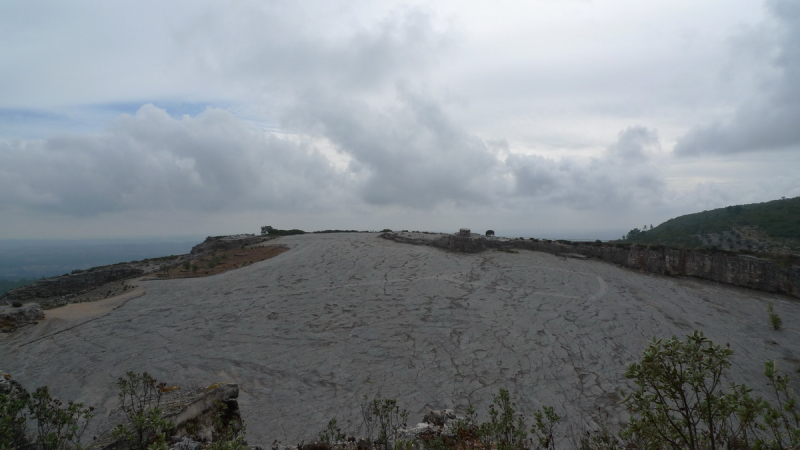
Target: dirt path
x,y
68,317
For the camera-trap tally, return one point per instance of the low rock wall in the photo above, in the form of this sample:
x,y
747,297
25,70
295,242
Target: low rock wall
x,y
72,283
737,270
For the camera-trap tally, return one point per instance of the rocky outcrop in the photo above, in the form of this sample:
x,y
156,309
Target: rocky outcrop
x,y
71,284
453,242
220,243
724,267
13,317
437,424
739,270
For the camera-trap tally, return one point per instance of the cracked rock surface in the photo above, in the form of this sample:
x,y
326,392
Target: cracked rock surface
x,y
308,333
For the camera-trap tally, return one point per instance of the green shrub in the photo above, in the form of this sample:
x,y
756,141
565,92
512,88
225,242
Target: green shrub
x,y
228,428
383,416
140,396
680,402
774,318
55,426
332,434
505,430
544,424
12,420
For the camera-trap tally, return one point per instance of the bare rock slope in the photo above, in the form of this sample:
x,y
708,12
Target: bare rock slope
x,y
307,334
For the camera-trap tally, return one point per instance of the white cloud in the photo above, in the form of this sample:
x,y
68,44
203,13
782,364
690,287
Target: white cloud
x,y
395,109
769,120
151,161
622,177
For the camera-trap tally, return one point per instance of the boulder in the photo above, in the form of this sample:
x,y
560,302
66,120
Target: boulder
x,y
12,317
439,417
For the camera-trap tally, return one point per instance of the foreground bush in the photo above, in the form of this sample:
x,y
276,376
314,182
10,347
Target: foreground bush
x,y
41,421
681,402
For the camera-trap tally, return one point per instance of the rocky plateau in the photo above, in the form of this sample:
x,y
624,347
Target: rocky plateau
x,y
307,334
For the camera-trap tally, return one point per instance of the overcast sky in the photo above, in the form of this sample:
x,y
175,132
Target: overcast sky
x,y
550,118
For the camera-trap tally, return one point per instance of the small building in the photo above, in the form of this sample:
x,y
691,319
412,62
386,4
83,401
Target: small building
x,y
464,232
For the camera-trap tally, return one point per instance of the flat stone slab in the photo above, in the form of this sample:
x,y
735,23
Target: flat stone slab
x,y
307,334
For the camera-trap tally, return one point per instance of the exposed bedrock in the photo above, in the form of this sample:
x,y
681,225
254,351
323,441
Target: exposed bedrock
x,y
13,317
738,270
72,283
307,334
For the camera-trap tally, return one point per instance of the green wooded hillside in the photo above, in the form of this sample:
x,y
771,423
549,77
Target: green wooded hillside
x,y
763,225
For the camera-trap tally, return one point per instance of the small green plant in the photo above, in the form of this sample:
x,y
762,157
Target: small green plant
x,y
383,416
545,422
774,318
782,421
365,410
195,269
505,430
332,434
228,428
186,265
405,444
140,396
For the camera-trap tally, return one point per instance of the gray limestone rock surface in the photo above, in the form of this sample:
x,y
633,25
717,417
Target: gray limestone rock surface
x,y
12,317
307,334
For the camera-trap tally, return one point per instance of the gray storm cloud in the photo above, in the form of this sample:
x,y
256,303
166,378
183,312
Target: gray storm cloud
x,y
770,120
152,161
408,154
622,176
411,154
413,109
289,49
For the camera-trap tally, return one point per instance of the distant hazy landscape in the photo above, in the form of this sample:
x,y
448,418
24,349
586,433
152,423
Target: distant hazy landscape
x,y
28,259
